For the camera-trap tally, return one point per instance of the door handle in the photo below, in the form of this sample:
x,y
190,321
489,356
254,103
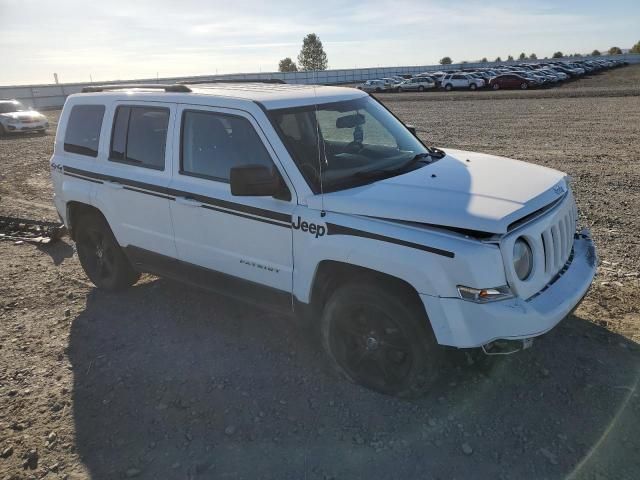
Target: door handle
x,y
114,185
189,202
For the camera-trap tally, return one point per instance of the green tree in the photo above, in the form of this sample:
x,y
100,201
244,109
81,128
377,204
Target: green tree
x,y
635,48
287,65
595,53
523,56
498,59
577,55
312,56
510,58
533,56
446,61
557,55
483,60
615,51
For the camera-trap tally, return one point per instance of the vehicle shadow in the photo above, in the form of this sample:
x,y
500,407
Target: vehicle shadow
x,y
59,250
170,382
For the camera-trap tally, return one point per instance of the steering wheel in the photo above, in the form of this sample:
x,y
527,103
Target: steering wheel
x,y
354,147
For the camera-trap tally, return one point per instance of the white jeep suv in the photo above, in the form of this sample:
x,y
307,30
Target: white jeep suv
x,y
318,201
461,80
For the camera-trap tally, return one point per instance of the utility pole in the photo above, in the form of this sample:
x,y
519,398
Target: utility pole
x,y
55,77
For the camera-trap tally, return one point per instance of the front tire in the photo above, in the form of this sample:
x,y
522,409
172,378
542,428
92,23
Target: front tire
x,y
473,86
380,338
100,255
496,86
421,88
524,85
448,87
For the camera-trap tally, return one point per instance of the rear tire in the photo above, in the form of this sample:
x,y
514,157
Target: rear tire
x,y
421,88
473,86
3,132
524,85
496,86
380,338
100,255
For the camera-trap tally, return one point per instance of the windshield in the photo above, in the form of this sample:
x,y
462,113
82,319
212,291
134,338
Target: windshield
x,y
355,139
9,107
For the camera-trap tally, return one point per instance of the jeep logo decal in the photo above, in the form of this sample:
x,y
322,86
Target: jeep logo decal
x,y
312,228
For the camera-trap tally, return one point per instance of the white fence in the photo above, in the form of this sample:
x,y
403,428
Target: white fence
x,y
53,96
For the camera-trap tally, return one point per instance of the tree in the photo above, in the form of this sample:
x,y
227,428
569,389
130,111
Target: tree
x,y
312,55
510,58
533,56
287,65
577,55
595,53
523,56
484,60
557,55
446,61
615,51
635,48
498,59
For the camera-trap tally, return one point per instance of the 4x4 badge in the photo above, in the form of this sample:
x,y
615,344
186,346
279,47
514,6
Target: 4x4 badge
x,y
559,189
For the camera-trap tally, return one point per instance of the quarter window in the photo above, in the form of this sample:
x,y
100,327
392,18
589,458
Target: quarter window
x,y
139,136
83,130
213,143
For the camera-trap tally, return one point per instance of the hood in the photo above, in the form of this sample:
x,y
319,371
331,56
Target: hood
x,y
467,190
23,115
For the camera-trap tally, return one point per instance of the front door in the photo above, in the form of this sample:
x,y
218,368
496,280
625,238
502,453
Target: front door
x,y
249,238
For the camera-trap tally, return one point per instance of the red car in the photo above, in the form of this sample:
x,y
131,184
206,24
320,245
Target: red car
x,y
510,80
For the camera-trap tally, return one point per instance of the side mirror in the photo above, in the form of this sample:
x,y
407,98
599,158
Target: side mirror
x,y
412,129
254,181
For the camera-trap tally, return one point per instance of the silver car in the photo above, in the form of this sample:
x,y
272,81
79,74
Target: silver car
x,y
419,84
374,86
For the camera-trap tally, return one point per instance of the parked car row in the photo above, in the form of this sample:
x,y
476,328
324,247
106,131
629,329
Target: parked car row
x,y
522,76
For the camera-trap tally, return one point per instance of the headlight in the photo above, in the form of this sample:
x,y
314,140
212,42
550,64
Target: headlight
x,y
522,259
13,121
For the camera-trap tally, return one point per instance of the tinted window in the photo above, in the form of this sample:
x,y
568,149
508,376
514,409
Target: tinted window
x,y
83,129
139,136
213,143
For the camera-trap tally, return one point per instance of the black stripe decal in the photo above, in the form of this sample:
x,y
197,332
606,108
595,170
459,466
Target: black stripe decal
x,y
333,229
170,193
81,177
238,214
131,189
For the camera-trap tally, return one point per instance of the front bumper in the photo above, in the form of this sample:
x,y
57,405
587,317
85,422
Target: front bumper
x,y
464,324
26,127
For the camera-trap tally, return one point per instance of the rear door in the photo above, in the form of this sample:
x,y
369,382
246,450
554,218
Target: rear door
x,y
249,238
134,175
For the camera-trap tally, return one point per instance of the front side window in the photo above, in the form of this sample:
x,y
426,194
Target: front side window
x,y
139,136
83,130
346,143
213,143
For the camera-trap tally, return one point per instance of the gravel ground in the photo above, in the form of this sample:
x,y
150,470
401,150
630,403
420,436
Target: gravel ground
x,y
166,382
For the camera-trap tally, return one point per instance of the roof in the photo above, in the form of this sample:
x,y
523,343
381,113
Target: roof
x,y
271,96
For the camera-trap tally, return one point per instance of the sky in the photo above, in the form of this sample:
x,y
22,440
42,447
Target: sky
x,y
103,40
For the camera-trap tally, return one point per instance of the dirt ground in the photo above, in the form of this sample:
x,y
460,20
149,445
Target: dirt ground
x,y
164,381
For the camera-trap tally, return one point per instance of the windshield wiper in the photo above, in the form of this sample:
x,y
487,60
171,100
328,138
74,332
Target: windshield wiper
x,y
389,172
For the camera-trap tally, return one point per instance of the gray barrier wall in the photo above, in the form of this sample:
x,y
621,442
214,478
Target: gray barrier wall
x,y
53,96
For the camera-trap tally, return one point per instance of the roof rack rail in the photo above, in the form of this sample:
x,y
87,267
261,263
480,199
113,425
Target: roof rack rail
x,y
174,87
225,80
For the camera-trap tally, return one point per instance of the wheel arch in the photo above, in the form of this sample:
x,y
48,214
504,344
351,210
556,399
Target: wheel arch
x,y
75,210
332,274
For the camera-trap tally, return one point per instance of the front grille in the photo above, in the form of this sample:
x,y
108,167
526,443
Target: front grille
x,y
557,241
550,236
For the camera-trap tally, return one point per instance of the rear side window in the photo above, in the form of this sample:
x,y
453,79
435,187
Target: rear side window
x,y
83,130
139,136
213,143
